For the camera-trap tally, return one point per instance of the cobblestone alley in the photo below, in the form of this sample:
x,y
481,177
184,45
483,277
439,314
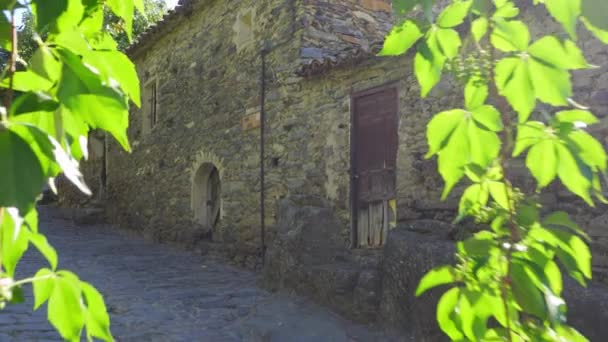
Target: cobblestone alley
x,y
159,293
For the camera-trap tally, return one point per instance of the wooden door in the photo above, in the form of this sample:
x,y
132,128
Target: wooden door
x,y
374,140
213,198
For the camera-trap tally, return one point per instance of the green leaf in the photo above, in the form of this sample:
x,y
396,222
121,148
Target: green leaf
x,y
551,85
45,249
25,81
83,94
47,12
489,117
506,10
64,309
475,94
401,39
562,219
6,35
561,55
595,12
97,319
124,9
479,245
440,128
500,194
570,334
57,15
588,149
115,66
103,112
454,157
445,309
566,12
510,36
45,64
571,176
473,199
40,145
14,238
577,250
600,34
42,287
33,102
436,277
479,28
428,65
454,14
92,23
576,115
22,175
542,162
17,295
139,5
528,134
529,298
449,42
554,276
513,81
484,145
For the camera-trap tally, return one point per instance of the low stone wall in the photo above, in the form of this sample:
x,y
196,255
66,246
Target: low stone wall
x,y
309,256
409,255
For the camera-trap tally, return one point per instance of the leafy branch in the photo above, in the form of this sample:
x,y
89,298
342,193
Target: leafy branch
x,y
507,283
75,80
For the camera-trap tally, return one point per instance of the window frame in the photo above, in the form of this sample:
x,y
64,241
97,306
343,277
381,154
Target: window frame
x,y
150,106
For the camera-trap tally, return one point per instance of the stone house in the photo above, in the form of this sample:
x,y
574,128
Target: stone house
x,y
269,131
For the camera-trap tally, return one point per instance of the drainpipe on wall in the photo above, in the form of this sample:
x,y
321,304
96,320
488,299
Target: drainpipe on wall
x,y
267,48
263,54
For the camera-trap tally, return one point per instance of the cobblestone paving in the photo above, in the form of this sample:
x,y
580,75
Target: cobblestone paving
x,y
159,293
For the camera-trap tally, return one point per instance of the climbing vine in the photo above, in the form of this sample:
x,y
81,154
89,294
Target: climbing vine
x,y
76,80
507,281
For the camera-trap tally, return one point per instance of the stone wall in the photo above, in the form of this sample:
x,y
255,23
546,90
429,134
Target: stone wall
x,y
206,88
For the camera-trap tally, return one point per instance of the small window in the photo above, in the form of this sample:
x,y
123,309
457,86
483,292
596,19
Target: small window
x,y
244,29
150,106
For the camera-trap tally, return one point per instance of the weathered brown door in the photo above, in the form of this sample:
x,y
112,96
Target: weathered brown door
x,y
213,198
374,140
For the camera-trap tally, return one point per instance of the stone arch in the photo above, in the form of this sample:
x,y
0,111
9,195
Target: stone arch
x,y
206,196
206,199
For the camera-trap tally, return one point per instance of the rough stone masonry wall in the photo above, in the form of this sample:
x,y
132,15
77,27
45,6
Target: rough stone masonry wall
x,y
205,88
345,280
418,183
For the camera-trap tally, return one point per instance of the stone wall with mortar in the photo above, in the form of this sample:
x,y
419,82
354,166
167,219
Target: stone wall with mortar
x,y
206,87
323,145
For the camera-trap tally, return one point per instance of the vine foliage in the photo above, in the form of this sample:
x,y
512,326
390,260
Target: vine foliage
x,y
75,80
507,281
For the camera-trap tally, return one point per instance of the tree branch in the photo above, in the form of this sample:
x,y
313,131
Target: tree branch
x,y
12,68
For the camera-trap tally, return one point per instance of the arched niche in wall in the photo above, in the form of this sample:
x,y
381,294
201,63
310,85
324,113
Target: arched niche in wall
x,y
206,177
206,196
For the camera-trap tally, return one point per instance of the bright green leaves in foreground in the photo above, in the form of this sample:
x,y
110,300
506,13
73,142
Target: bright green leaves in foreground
x,y
73,305
75,81
22,176
507,282
461,137
564,150
540,71
401,39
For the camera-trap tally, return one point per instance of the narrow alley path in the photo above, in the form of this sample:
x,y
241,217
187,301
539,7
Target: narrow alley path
x,y
159,293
